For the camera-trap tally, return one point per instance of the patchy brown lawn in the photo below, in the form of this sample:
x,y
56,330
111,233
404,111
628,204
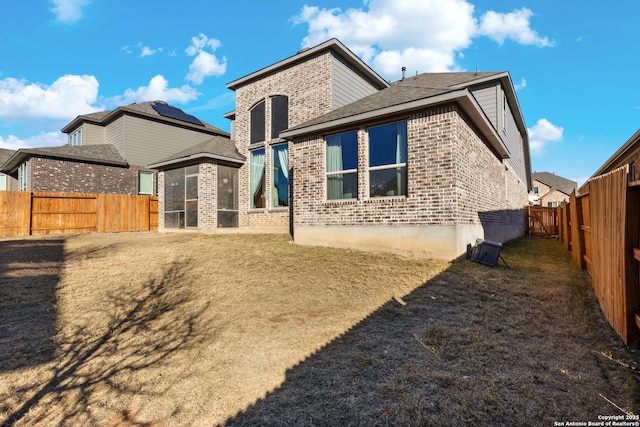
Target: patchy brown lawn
x,y
197,330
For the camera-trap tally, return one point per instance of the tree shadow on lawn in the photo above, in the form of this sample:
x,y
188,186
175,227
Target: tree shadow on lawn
x,y
146,326
29,275
473,346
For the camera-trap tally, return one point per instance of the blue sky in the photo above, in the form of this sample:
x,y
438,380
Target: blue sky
x,y
574,64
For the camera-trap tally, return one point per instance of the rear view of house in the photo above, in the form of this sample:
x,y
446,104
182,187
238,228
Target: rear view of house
x,y
328,150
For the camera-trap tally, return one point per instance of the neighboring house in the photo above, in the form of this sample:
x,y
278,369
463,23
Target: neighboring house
x,y
627,154
339,157
83,169
7,182
550,189
107,151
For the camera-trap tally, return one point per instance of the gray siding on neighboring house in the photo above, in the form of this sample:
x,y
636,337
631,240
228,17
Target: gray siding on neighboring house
x,y
347,86
149,141
92,134
114,134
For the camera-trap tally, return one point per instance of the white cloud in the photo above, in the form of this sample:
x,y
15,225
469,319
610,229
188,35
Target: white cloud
x,y
521,85
147,51
144,50
543,133
158,89
67,97
423,36
68,11
514,26
48,139
205,63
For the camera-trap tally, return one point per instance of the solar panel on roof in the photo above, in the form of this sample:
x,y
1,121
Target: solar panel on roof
x,y
176,113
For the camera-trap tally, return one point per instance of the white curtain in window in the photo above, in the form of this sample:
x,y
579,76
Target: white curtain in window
x,y
257,172
335,183
283,161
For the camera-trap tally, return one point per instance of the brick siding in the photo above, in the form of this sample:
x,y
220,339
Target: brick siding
x,y
453,178
56,175
308,87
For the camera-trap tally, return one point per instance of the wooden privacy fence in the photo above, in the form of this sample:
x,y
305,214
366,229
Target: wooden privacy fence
x,y
541,221
601,229
24,213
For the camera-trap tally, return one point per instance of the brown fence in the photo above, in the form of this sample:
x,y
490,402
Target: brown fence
x,y
601,228
24,213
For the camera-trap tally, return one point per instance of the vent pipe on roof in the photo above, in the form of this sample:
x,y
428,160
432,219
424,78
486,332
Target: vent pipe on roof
x,y
404,70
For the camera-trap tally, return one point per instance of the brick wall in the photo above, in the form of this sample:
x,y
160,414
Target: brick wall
x,y
77,177
308,87
453,178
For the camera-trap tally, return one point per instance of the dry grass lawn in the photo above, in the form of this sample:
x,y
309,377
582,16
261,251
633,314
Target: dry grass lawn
x,y
201,330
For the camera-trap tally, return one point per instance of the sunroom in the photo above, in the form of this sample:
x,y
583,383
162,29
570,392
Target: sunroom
x,y
198,187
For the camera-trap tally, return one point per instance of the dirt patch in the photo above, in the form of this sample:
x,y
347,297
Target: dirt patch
x,y
244,329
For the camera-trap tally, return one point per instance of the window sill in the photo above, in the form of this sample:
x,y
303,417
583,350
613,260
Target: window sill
x,y
338,202
279,209
256,145
386,199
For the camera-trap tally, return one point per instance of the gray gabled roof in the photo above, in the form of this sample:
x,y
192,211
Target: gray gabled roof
x,y
413,93
5,154
555,182
101,153
144,110
335,46
217,148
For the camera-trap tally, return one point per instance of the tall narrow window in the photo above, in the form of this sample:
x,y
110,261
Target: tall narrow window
x,y
23,177
76,138
3,182
388,160
342,166
280,175
257,123
256,178
279,115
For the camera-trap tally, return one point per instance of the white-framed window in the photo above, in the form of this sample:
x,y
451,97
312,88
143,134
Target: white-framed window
x,y
75,138
3,182
145,183
23,176
388,160
342,166
536,190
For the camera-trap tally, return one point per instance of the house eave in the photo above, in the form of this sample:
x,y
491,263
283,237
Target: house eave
x,y
196,156
332,44
462,97
23,154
